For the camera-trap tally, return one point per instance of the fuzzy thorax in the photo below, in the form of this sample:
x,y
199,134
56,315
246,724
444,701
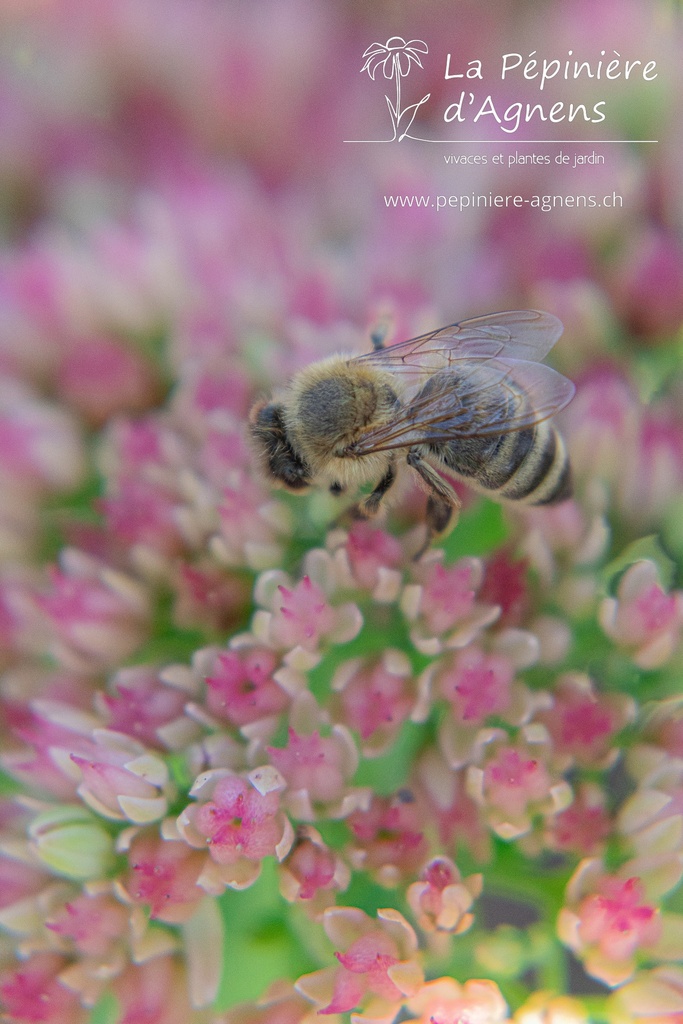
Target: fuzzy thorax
x,y
330,405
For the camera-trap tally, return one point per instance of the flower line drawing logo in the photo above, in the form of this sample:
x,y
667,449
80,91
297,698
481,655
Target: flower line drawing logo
x,y
396,57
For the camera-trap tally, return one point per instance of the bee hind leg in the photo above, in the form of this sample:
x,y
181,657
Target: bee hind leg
x,y
443,504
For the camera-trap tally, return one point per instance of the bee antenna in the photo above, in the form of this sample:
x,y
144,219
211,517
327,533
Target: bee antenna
x,y
377,337
380,330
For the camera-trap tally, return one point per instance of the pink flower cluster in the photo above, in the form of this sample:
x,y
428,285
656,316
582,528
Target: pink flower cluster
x,y
231,718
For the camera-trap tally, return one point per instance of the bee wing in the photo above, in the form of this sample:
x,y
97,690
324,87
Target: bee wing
x,y
474,399
526,334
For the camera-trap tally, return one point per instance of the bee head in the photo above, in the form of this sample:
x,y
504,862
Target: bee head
x,y
280,459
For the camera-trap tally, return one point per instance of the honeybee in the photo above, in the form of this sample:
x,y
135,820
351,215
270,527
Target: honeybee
x,y
471,398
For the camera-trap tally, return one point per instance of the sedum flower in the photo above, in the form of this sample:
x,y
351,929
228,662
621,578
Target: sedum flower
x,y
242,688
52,731
652,997
96,616
476,685
603,423
251,525
121,779
301,615
584,827
208,598
459,820
239,821
479,685
515,783
375,698
162,875
317,764
140,705
444,1000
34,994
158,991
95,931
611,920
442,606
151,531
582,723
100,377
505,585
378,965
560,542
369,558
388,838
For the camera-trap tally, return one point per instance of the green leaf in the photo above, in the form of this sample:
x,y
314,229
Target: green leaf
x,y
672,533
8,785
656,369
370,896
480,530
260,944
105,1010
388,773
645,548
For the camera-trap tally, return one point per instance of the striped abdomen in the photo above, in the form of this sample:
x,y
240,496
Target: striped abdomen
x,y
529,465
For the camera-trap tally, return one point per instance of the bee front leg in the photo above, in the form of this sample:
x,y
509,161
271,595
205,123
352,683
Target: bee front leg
x,y
443,504
369,506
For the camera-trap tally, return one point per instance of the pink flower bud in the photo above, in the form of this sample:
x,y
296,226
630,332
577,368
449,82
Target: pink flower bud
x,y
642,618
93,924
163,875
101,377
312,872
441,899
98,617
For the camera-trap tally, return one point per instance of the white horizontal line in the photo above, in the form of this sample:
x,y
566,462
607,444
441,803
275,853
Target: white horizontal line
x,y
535,142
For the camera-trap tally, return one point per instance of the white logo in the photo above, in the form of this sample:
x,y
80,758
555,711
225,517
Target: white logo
x,y
396,58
